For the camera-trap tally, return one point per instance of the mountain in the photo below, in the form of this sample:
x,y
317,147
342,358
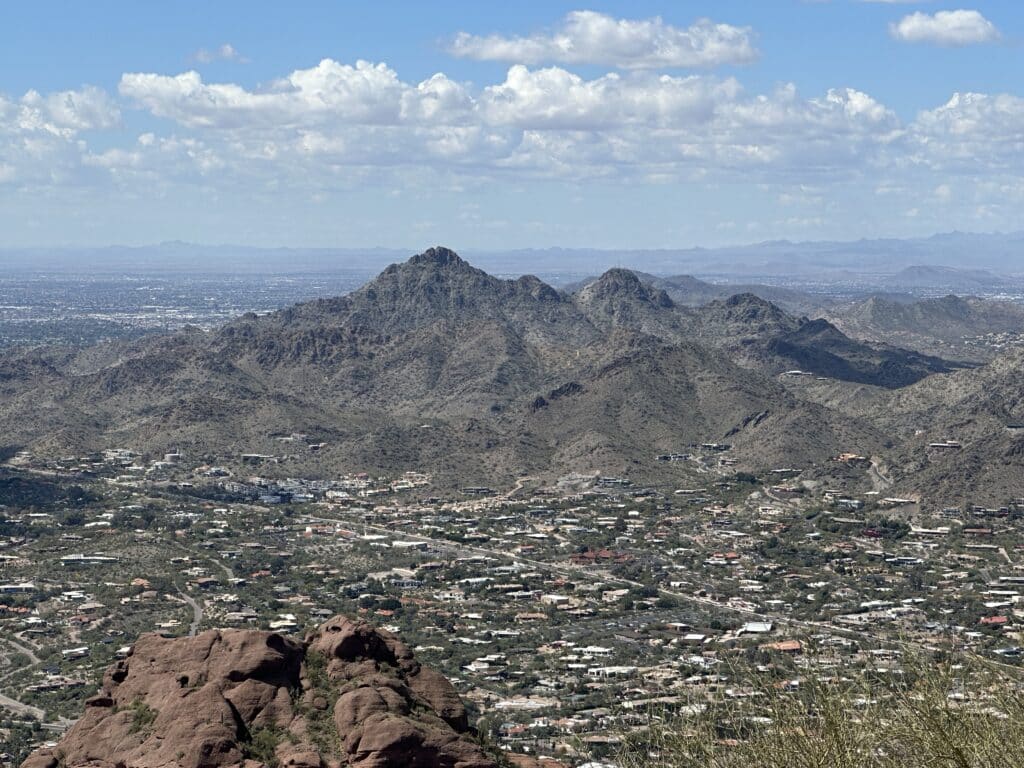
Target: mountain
x,y
757,332
349,694
618,299
951,326
741,320
819,347
928,276
686,290
437,365
825,261
956,438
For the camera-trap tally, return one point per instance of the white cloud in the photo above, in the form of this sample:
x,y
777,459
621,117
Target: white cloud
x,y
40,138
362,94
554,98
337,126
589,37
63,113
972,132
955,28
224,52
542,121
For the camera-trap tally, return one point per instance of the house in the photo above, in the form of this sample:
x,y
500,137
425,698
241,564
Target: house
x,y
613,595
21,588
784,646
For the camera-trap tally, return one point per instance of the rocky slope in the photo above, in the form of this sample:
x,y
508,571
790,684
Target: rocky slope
x,y
436,365
349,695
756,333
983,411
951,326
432,342
686,290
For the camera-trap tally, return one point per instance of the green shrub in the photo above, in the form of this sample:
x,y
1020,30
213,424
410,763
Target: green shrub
x,y
262,745
944,715
143,716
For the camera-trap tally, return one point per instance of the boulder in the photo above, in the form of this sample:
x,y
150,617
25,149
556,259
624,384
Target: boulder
x,y
350,694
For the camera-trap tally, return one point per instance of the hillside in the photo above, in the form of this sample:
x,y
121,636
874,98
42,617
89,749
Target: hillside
x,y
686,290
983,412
436,365
959,327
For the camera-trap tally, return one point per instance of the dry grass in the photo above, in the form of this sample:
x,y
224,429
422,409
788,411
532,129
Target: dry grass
x,y
937,715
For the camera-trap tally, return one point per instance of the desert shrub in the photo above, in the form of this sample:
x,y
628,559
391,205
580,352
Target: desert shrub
x,y
934,715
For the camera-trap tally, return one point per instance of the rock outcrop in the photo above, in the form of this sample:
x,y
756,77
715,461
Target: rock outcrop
x,y
349,695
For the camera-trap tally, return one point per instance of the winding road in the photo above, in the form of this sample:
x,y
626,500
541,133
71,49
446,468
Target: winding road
x,y
21,709
197,613
879,482
24,651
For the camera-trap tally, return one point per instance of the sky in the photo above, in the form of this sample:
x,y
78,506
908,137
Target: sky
x,y
506,125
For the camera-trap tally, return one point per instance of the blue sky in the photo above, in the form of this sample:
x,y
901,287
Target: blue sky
x,y
486,125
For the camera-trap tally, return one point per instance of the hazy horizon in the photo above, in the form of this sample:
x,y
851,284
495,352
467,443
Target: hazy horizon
x,y
411,249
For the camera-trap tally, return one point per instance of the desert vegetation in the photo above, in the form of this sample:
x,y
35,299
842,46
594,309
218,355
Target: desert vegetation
x,y
947,713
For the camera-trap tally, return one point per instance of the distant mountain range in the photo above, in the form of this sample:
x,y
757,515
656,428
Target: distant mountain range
x,y
440,366
943,257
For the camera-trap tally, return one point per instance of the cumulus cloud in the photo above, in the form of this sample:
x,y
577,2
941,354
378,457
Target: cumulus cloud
x,y
40,134
223,52
62,113
365,93
336,126
554,98
537,121
973,132
955,28
589,37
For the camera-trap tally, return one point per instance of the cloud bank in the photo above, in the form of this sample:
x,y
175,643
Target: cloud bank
x,y
352,127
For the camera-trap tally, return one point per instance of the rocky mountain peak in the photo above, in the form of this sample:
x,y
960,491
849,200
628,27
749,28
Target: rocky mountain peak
x,y
748,300
348,695
537,288
618,283
438,256
820,327
747,309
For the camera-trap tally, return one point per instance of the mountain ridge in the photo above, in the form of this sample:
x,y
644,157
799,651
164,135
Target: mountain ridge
x,y
437,365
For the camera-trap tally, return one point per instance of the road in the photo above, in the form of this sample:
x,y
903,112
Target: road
x,y
24,651
197,613
21,709
520,484
879,482
6,702
224,569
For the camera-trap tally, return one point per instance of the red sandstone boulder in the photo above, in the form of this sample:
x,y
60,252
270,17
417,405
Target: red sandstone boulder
x,y
350,695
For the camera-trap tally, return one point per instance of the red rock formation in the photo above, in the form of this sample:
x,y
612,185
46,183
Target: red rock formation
x,y
351,695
